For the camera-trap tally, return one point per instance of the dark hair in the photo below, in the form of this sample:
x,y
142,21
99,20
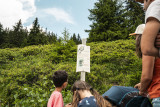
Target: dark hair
x,y
138,46
82,85
59,78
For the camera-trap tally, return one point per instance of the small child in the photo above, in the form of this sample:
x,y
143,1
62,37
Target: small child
x,y
60,79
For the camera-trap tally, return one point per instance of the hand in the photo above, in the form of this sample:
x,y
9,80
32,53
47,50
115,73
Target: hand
x,y
157,41
68,105
145,94
138,86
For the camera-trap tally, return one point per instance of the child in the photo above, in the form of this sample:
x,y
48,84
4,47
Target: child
x,y
85,96
60,81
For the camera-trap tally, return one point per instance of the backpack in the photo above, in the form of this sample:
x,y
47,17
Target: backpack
x,y
126,97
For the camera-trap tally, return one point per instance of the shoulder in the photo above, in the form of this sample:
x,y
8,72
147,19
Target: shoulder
x,y
153,11
56,94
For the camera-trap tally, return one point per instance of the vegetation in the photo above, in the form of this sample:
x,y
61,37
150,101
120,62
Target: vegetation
x,y
26,73
28,58
21,37
114,19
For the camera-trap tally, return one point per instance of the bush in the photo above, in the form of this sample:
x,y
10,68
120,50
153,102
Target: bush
x,y
26,73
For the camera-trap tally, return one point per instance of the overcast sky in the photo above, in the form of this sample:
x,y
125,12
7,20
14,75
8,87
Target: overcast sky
x,y
55,15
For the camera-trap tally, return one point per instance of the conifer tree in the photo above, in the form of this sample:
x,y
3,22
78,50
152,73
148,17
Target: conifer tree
x,y
74,38
51,37
134,15
79,40
19,35
1,35
111,18
34,35
105,21
65,36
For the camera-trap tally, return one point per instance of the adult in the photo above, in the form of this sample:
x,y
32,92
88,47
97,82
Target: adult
x,y
152,20
149,85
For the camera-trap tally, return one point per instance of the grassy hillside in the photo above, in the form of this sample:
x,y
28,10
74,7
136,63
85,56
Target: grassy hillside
x,y
25,73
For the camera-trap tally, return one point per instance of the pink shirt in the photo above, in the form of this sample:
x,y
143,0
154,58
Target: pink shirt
x,y
55,100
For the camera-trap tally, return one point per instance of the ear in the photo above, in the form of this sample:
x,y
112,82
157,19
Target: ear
x,y
64,85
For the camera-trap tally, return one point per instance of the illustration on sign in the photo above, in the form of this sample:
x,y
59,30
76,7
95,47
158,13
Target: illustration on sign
x,y
83,58
81,49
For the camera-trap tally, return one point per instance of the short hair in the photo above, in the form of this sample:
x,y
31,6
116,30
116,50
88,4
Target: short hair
x,y
59,78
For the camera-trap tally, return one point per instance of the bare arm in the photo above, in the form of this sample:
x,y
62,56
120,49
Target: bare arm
x,y
157,42
147,73
149,35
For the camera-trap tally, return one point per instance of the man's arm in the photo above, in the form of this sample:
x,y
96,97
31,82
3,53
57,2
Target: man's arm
x,y
147,73
148,38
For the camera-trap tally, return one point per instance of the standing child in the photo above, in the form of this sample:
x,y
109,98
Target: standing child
x,y
60,81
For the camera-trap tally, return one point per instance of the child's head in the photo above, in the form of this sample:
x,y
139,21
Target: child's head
x,y
79,87
138,35
60,79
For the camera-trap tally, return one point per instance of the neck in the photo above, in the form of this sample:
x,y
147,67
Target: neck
x,y
59,89
85,93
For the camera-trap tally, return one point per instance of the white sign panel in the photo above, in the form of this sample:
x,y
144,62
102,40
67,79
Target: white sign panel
x,y
83,58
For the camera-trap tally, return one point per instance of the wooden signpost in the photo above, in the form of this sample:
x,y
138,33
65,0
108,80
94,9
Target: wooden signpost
x,y
83,59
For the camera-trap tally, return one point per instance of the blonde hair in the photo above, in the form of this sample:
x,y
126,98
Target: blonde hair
x,y
82,85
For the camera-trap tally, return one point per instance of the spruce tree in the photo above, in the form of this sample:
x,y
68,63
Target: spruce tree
x,y
19,35
74,38
34,35
111,20
134,15
79,40
1,35
105,21
65,36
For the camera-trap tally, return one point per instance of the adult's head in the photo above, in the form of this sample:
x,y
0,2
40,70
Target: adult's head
x,y
60,79
146,3
81,86
138,33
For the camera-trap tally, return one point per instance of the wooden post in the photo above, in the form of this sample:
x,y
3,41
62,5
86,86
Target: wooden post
x,y
83,73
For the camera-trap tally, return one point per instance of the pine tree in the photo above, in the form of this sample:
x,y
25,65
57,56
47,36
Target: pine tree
x,y
110,20
1,35
34,37
134,15
7,36
19,35
51,37
65,36
74,38
79,40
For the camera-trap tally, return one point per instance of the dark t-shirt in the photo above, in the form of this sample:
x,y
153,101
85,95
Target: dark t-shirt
x,y
88,102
